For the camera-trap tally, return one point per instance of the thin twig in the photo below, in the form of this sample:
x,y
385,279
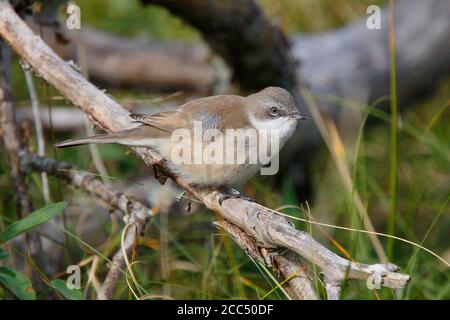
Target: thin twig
x,y
95,153
85,181
137,214
93,148
35,106
92,277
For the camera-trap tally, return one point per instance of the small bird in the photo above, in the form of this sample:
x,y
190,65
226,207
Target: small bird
x,y
270,110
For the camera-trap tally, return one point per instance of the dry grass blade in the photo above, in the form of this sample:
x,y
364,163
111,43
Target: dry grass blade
x,y
335,146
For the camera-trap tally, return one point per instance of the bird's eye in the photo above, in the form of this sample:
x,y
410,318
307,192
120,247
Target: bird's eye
x,y
274,111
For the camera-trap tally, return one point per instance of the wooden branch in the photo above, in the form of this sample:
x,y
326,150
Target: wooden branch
x,y
275,231
286,264
136,213
87,182
267,228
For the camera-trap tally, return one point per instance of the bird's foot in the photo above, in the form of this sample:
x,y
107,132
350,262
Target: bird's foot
x,y
229,193
159,174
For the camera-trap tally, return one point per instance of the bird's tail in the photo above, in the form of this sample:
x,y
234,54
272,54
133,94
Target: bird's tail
x,y
116,137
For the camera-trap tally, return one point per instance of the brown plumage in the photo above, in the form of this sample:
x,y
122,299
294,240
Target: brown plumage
x,y
271,108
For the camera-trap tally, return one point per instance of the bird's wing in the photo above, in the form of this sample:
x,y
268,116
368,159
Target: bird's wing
x,y
166,121
210,111
211,125
171,120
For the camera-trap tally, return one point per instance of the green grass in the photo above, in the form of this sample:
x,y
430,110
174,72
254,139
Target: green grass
x,y
393,179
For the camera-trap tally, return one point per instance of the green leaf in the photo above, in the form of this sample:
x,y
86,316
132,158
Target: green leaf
x,y
71,294
32,220
17,283
3,254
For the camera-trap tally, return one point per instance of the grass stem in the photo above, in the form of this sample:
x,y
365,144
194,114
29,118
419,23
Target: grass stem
x,y
393,178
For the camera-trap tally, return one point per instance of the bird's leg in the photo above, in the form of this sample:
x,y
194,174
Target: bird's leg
x,y
180,196
189,206
230,193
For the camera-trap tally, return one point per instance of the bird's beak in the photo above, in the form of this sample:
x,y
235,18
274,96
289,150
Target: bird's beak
x,y
298,116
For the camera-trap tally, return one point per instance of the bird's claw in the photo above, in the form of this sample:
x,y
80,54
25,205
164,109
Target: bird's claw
x,y
233,194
